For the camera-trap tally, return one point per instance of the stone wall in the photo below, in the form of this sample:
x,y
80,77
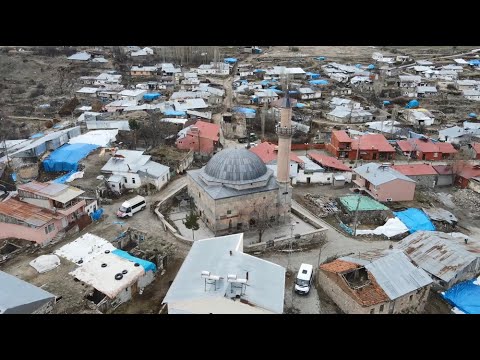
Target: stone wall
x,y
309,238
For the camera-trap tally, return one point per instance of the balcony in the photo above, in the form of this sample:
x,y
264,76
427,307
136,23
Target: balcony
x,y
71,207
284,131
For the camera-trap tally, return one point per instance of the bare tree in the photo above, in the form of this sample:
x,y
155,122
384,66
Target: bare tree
x,y
154,131
262,217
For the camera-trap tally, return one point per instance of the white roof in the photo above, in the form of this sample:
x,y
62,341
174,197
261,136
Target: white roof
x,y
103,278
426,89
107,76
175,120
306,91
154,169
85,108
96,137
82,56
121,103
339,101
190,104
340,111
378,174
461,61
424,62
133,93
410,78
264,288
279,70
143,68
471,92
468,82
130,162
99,60
85,248
266,93
88,90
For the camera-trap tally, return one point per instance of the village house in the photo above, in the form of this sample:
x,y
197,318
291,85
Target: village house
x,y
463,85
371,147
311,173
80,57
131,169
218,68
424,174
143,70
340,144
112,276
20,297
347,115
475,149
268,152
202,138
341,91
464,173
132,95
425,149
22,220
142,52
447,257
419,117
323,169
217,277
120,105
265,96
426,91
445,175
472,95
375,283
309,94
60,198
330,164
383,183
87,92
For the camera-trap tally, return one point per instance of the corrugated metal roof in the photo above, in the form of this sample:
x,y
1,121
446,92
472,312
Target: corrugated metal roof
x,y
438,253
266,281
377,176
28,213
58,192
351,202
16,293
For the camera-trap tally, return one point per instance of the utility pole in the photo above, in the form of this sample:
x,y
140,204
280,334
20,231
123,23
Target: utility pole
x,y
358,149
356,216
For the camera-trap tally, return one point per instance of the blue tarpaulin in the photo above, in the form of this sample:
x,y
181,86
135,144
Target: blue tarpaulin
x,y
313,75
320,58
151,96
37,135
358,66
300,105
14,176
63,179
412,104
415,220
474,62
465,296
258,70
472,115
230,60
318,82
174,113
147,265
386,102
97,214
66,157
244,110
371,67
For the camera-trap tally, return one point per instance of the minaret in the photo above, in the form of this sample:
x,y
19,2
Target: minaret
x,y
284,131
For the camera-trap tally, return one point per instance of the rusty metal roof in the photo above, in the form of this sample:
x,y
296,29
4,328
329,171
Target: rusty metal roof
x,y
58,192
28,213
440,254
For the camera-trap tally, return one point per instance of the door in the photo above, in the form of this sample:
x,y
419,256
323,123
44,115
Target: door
x,y
308,180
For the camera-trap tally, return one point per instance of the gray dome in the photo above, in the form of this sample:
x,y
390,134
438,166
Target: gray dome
x,y
235,165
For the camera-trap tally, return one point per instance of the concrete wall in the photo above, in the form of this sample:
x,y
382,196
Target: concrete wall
x,y
444,180
321,178
44,203
37,235
474,185
338,291
146,279
397,190
424,181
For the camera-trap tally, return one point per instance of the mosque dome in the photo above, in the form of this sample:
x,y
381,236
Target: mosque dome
x,y
235,165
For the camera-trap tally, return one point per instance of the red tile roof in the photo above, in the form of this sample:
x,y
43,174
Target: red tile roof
x,y
443,169
268,152
425,146
368,295
446,148
470,171
207,130
341,136
31,214
476,147
373,141
415,169
328,161
405,145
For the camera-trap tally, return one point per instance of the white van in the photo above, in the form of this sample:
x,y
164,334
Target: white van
x,y
131,206
303,282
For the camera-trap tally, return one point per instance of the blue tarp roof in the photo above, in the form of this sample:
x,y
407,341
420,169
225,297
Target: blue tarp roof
x,y
415,219
66,157
258,70
300,105
62,179
313,75
14,176
174,113
151,96
371,67
147,265
320,58
412,104
465,296
293,91
264,82
37,135
318,82
472,115
230,60
244,110
358,66
386,102
474,62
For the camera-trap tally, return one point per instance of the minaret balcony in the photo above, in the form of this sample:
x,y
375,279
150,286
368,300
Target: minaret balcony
x,y
285,131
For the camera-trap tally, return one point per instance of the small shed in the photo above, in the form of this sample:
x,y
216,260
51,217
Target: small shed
x,y
339,180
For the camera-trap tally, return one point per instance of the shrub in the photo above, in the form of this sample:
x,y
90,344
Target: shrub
x,y
48,124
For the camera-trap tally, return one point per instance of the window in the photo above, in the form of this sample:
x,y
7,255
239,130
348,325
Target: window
x,y
229,212
133,180
381,308
372,311
435,154
125,180
410,298
163,178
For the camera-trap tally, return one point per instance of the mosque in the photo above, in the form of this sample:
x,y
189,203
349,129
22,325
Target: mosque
x,y
235,189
